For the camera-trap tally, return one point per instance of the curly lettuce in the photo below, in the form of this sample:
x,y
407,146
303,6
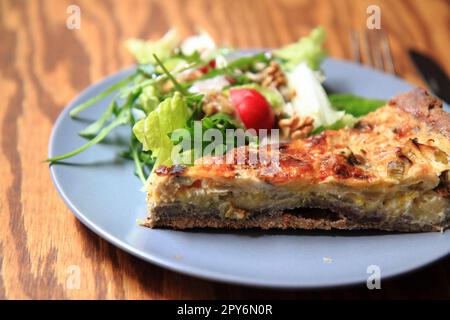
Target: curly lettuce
x,y
308,49
144,51
154,130
148,100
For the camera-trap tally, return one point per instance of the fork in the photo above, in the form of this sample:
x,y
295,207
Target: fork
x,y
375,48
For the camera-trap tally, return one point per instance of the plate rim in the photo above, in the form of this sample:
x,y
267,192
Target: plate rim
x,y
176,266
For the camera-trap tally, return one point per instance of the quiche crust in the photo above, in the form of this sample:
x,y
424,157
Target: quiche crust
x,y
389,172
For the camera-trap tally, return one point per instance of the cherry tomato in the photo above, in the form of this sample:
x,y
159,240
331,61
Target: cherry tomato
x,y
253,109
211,65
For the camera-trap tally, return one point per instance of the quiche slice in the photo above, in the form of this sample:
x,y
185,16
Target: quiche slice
x,y
389,172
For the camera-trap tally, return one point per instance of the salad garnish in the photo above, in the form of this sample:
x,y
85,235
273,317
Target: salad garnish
x,y
184,85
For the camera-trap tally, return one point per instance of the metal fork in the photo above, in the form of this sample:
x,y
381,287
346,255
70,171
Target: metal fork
x,y
374,47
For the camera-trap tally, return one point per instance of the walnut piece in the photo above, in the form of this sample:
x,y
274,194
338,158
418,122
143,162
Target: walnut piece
x,y
188,75
217,102
273,76
296,127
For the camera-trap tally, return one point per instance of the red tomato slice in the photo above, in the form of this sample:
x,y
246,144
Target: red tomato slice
x,y
253,109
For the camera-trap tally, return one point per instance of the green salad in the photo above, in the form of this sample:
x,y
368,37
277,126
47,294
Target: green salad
x,y
193,83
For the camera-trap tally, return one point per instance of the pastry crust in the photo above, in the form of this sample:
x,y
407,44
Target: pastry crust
x,y
313,220
390,172
424,107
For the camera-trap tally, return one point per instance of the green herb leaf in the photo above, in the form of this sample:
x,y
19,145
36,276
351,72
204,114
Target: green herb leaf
x,y
101,96
355,105
170,76
240,63
220,121
248,60
308,49
144,51
347,121
148,100
153,131
138,164
96,126
123,118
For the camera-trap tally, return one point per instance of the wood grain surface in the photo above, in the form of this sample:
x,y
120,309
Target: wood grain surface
x,y
43,65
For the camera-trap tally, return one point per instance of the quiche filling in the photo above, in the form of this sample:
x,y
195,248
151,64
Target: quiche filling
x,y
415,203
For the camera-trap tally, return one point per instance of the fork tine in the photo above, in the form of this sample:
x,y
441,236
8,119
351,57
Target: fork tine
x,y
354,41
377,51
386,49
366,45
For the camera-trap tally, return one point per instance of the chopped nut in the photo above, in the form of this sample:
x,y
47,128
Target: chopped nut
x,y
217,102
296,127
255,77
189,75
273,76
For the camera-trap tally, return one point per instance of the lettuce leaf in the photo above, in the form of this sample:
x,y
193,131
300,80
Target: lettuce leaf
x,y
347,121
143,51
148,100
308,49
154,130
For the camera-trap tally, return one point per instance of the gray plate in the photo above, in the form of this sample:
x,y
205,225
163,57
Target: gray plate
x,y
101,190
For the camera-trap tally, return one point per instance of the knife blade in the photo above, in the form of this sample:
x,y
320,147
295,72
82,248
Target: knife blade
x,y
434,76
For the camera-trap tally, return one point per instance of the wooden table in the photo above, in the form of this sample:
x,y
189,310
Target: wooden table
x,y
43,65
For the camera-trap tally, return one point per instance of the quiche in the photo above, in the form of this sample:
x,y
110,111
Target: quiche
x,y
389,172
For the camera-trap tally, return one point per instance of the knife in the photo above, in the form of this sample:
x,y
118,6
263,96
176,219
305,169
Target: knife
x,y
434,76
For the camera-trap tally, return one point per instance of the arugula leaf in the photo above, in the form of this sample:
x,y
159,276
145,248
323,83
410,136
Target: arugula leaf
x,y
308,49
96,126
101,96
248,60
239,63
122,118
219,121
138,164
170,76
355,105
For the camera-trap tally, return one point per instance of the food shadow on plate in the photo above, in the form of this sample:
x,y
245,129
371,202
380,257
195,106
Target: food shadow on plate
x,y
83,119
256,233
116,140
117,160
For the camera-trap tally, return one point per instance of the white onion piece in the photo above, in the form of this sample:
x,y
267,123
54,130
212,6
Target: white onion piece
x,y
210,85
202,43
311,99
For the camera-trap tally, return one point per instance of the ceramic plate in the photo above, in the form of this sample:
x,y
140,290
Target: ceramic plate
x,y
101,190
